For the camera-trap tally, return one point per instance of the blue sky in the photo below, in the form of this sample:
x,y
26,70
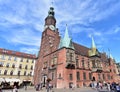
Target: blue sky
x,y
22,22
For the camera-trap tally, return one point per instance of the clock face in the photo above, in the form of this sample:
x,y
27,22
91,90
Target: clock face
x,y
52,27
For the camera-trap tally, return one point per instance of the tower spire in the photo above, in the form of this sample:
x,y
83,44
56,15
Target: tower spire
x,y
93,43
66,41
66,36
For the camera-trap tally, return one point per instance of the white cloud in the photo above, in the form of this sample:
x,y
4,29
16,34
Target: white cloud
x,y
31,13
30,50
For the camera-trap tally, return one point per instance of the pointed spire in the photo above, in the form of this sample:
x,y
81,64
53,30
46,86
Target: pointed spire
x,y
66,36
66,41
93,43
111,56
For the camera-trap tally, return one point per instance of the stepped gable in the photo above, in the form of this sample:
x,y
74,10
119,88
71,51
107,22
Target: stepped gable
x,y
79,49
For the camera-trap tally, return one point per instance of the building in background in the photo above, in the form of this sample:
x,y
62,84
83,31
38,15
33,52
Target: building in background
x,y
118,72
65,63
16,66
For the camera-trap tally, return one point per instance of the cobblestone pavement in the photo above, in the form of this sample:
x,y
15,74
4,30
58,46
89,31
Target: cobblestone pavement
x,y
83,89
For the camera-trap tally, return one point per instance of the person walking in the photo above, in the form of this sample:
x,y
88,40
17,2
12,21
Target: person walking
x,y
15,89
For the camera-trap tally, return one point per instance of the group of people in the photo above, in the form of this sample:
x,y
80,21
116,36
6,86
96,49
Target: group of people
x,y
48,86
109,86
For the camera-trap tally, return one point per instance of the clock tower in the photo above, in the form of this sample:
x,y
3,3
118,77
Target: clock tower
x,y
50,36
50,21
49,44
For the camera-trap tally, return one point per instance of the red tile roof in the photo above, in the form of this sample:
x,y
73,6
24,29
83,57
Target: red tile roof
x,y
79,49
15,53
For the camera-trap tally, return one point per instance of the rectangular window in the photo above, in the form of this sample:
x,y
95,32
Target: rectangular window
x,y
31,67
77,63
52,75
1,64
3,57
70,77
21,60
7,65
15,59
18,73
26,67
88,64
84,76
33,61
108,75
90,76
27,60
103,76
24,73
9,57
71,56
99,76
5,72
83,64
20,66
78,76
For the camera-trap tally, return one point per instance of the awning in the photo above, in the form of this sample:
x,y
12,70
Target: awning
x,y
2,80
12,80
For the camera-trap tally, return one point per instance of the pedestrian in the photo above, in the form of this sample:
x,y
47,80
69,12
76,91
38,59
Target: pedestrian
x,y
15,89
117,88
108,86
0,89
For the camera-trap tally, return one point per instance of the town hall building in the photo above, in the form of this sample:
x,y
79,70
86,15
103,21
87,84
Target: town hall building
x,y
64,62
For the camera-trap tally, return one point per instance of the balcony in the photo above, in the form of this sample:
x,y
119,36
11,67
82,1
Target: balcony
x,y
70,65
97,69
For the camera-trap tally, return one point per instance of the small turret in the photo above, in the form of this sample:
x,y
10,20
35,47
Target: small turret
x,y
93,51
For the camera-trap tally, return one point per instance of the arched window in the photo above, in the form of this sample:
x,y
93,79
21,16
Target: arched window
x,y
11,73
7,65
26,67
24,73
13,65
5,72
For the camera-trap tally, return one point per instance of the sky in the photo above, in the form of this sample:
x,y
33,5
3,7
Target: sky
x,y
22,23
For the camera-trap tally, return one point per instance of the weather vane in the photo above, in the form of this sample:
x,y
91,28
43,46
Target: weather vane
x,y
52,3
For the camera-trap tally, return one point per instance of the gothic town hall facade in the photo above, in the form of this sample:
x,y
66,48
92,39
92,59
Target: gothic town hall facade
x,y
66,63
